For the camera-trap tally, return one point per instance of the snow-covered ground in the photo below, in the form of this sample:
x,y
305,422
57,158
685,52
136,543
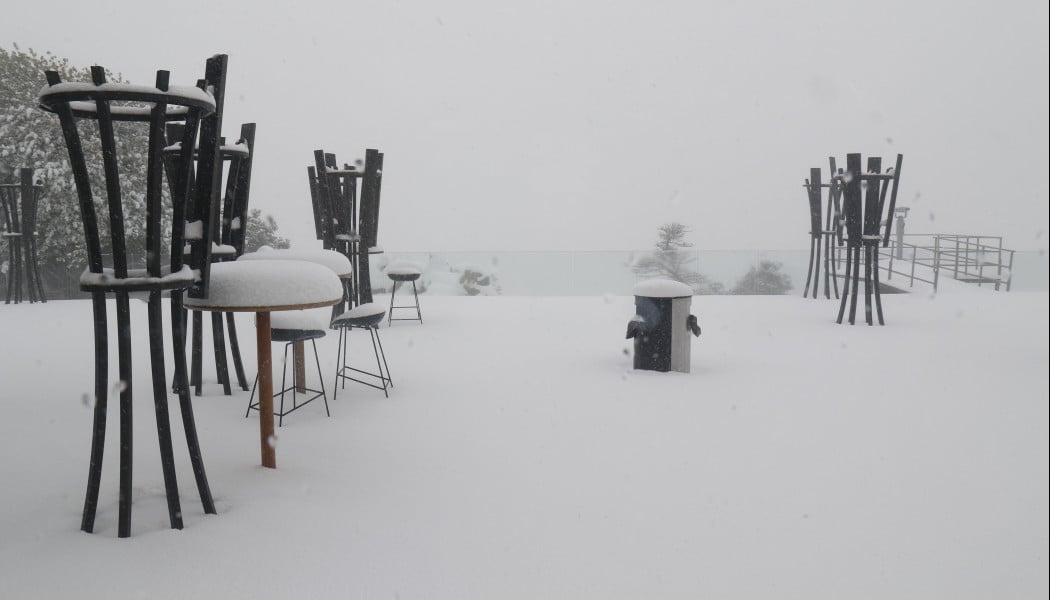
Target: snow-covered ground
x,y
520,456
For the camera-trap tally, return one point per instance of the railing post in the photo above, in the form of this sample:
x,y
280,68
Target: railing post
x,y
956,258
1010,279
889,270
914,253
999,265
937,262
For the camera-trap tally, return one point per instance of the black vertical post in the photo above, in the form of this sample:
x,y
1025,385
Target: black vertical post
x,y
893,200
98,429
872,216
852,209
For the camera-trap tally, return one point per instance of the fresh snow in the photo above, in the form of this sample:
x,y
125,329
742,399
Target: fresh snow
x,y
402,267
312,320
520,456
336,262
135,277
369,309
662,288
174,93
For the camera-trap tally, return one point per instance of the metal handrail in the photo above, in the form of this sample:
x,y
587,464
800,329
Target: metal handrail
x,y
965,256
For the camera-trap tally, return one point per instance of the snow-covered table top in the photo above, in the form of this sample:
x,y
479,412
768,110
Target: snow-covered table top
x,y
268,285
336,262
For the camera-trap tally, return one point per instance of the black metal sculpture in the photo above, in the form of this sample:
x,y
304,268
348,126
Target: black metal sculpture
x,y
333,192
864,203
18,210
828,233
346,219
107,103
228,244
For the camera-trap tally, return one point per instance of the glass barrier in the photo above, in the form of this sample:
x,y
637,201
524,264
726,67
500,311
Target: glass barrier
x,y
591,273
588,273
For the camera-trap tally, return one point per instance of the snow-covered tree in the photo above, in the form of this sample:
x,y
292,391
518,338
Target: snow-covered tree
x,y
672,260
262,231
764,278
31,137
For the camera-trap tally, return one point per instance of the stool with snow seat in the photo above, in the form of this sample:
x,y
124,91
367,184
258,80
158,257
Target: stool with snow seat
x,y
403,273
292,327
364,316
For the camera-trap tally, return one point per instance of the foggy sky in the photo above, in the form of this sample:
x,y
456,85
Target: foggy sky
x,y
584,125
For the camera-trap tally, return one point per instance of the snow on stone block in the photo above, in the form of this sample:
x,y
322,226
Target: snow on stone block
x,y
269,284
336,262
662,288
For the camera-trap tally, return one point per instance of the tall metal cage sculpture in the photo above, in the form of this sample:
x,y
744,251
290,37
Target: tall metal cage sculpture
x,y
826,231
864,193
18,210
192,199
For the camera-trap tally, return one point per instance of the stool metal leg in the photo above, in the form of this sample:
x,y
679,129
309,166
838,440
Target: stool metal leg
x,y
415,293
372,331
390,312
340,350
320,378
284,376
383,354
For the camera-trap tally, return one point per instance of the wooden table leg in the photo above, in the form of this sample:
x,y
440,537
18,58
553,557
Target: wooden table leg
x,y
299,356
268,441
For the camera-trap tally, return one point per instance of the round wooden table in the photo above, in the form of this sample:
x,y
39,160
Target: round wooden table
x,y
262,287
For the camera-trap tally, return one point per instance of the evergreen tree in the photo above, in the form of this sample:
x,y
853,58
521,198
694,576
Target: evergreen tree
x,y
672,260
262,231
764,278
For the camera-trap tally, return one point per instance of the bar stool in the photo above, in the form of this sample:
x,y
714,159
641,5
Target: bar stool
x,y
398,273
363,316
294,327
